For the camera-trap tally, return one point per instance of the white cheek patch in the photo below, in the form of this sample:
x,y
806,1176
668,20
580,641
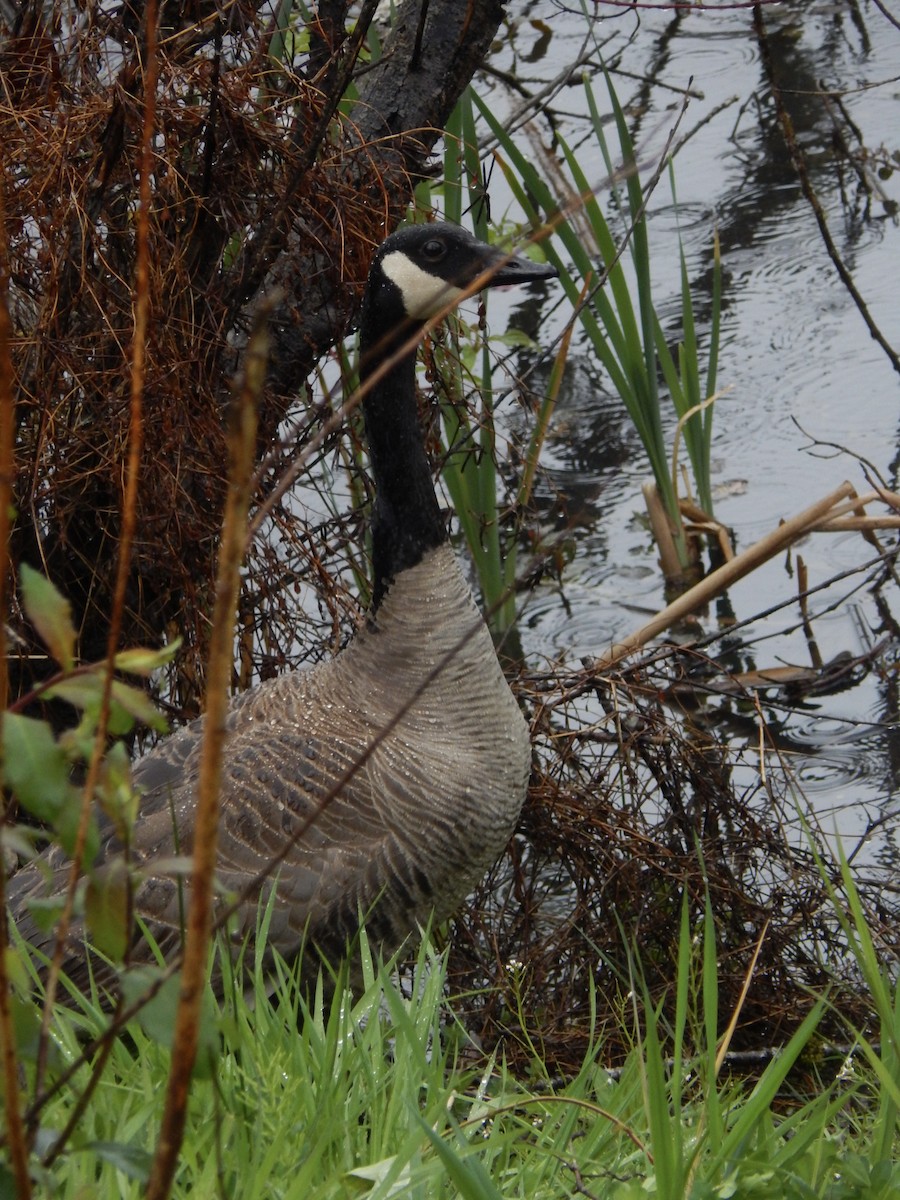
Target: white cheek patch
x,y
424,295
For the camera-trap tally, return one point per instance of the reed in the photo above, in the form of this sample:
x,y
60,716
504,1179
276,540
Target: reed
x,y
619,315
491,517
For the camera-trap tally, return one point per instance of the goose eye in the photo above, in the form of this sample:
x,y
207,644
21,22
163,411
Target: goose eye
x,y
434,249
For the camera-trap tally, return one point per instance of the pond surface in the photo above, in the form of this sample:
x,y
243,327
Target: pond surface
x,y
804,374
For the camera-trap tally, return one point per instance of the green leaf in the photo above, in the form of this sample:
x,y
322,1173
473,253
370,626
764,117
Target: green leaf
x,y
133,1161
157,1017
19,841
381,1173
45,911
85,691
468,1174
137,704
26,1026
16,971
35,767
66,828
106,909
26,1022
51,615
115,793
141,660
8,1187
514,337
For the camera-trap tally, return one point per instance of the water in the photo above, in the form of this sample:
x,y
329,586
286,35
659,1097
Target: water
x,y
795,352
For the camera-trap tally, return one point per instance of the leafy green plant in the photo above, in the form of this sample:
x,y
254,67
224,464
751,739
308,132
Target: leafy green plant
x,y
37,764
37,767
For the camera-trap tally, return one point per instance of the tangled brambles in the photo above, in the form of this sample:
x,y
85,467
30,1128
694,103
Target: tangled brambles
x,y
635,811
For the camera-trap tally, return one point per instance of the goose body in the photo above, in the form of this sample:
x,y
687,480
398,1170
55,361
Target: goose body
x,y
387,780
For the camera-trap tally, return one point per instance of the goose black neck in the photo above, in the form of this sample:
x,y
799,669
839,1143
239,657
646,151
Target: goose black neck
x,y
406,519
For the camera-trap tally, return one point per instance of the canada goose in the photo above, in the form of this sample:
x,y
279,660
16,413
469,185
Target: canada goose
x,y
436,800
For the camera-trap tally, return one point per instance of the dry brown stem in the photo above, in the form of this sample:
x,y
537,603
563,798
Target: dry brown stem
x,y
730,572
242,443
18,1148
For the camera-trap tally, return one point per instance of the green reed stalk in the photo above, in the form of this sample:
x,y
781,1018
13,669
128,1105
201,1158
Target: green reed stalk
x,y
620,318
470,468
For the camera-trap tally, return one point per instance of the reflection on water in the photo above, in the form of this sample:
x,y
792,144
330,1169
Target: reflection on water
x,y
795,351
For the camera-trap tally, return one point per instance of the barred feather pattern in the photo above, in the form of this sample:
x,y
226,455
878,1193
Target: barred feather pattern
x,y
430,805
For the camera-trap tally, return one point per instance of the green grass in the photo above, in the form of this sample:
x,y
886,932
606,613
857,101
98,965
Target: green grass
x,y
372,1097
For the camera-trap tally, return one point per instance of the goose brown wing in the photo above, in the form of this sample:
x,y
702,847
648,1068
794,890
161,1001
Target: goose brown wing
x,y
286,823
289,821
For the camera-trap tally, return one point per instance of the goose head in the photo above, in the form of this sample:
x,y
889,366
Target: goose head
x,y
421,269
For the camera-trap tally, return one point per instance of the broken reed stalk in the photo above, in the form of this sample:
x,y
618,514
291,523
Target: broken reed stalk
x,y
717,581
841,519
858,524
663,535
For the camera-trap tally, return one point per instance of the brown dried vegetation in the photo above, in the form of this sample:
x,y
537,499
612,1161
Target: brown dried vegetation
x,y
634,809
247,156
